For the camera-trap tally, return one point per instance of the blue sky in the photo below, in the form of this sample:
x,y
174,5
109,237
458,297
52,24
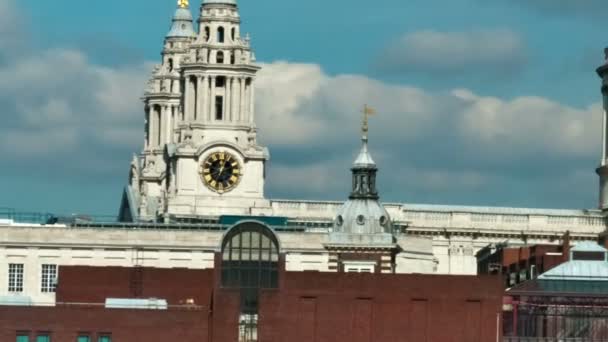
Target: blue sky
x,y
481,102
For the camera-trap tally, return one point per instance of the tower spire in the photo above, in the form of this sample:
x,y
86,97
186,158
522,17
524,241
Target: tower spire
x,y
364,160
364,168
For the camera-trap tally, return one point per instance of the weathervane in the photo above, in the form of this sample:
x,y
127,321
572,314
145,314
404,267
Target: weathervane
x,y
367,111
183,3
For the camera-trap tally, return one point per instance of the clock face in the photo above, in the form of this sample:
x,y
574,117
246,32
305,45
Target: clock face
x,y
221,171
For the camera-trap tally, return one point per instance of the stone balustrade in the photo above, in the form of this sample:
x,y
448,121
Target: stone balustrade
x,y
484,220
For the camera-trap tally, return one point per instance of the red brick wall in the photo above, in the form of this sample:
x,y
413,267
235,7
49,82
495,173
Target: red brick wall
x,y
81,284
64,324
323,307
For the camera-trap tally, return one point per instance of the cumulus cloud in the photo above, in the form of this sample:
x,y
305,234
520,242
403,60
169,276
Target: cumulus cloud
x,y
60,108
64,113
439,143
482,51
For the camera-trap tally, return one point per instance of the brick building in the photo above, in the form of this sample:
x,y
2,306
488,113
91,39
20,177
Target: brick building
x,y
516,264
249,296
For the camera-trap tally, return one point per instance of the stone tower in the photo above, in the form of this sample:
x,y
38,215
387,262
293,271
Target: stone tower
x,y
602,171
200,156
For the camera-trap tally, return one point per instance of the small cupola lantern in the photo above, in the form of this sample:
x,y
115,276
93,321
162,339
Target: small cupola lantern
x,y
362,239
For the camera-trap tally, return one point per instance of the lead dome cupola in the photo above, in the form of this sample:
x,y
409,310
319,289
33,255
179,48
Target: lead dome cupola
x,y
182,26
363,213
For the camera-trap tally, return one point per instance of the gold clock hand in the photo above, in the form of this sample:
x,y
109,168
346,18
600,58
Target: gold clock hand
x,y
221,169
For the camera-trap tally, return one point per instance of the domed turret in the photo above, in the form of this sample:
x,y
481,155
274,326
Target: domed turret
x,y
182,26
362,213
362,219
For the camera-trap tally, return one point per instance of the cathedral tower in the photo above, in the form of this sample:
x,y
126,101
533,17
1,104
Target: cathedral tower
x,y
201,156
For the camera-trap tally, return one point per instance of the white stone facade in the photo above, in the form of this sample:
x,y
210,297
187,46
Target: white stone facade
x,y
35,245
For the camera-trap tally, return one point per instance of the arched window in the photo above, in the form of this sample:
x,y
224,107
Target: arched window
x,y
170,64
219,58
220,34
207,33
250,257
233,34
232,58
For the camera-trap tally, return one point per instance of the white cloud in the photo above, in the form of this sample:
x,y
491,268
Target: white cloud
x,y
479,51
62,103
66,113
444,142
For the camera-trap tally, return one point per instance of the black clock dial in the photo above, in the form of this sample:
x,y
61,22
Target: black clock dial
x,y
221,171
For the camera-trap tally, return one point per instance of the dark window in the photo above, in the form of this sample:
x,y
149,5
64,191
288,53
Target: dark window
x,y
233,33
220,82
170,64
590,256
207,33
219,108
220,57
220,34
232,58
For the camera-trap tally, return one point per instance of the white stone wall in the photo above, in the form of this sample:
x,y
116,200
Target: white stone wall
x,y
36,245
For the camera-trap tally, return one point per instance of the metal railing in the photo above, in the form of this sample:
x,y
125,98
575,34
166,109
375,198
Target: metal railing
x,y
24,216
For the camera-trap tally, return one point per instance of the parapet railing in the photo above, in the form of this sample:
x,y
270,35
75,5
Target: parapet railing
x,y
13,215
192,226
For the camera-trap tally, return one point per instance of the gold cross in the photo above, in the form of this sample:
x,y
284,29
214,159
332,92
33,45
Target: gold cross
x,y
183,3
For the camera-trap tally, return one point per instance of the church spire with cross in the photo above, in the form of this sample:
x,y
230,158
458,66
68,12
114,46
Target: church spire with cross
x,y
364,168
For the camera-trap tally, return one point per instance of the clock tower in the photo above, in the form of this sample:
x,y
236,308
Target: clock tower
x,y
201,156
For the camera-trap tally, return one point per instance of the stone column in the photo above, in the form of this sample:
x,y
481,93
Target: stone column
x,y
205,99
242,100
228,99
247,101
187,99
212,100
234,99
154,127
162,125
251,102
199,99
169,122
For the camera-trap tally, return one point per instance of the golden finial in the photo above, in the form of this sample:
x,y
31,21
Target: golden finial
x,y
367,111
183,3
